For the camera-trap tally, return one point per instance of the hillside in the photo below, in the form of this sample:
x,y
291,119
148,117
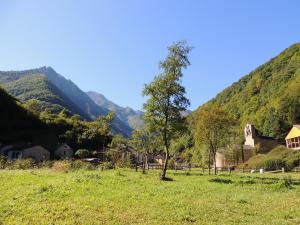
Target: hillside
x,y
133,118
39,87
55,92
18,125
66,88
268,97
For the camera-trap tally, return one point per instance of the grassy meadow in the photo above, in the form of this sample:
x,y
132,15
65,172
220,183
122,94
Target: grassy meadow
x,y
84,197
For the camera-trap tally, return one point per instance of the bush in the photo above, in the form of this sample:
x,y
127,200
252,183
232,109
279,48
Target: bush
x,y
107,165
287,182
272,164
280,157
46,164
2,162
21,164
77,164
62,166
124,163
171,164
82,153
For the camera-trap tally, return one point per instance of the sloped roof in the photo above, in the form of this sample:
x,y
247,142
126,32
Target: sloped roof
x,y
295,132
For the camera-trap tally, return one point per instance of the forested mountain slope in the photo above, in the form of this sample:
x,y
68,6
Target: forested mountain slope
x,y
16,123
268,97
55,92
40,88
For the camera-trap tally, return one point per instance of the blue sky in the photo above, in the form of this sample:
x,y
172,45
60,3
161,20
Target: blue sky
x,y
114,46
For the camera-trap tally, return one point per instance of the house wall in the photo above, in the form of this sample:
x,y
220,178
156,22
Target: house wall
x,y
293,143
64,152
37,153
220,160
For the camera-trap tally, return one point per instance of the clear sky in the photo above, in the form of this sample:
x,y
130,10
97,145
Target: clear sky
x,y
114,46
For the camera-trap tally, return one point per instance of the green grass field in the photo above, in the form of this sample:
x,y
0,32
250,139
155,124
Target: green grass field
x,y
128,197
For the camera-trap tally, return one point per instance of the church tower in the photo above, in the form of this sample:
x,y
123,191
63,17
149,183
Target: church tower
x,y
250,134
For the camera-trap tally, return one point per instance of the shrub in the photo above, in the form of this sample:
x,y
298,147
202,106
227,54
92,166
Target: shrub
x,y
272,164
82,153
287,182
125,163
21,164
2,162
62,166
171,164
107,165
77,164
279,157
46,164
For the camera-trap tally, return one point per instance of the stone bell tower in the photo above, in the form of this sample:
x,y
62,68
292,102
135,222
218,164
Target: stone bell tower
x,y
250,134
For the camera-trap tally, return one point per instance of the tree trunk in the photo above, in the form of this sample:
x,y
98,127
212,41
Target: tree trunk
x,y
147,166
215,163
144,164
209,163
165,165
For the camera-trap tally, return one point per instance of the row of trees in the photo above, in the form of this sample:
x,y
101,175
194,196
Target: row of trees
x,y
72,129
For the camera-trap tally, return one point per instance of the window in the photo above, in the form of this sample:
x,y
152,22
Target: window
x,y
16,155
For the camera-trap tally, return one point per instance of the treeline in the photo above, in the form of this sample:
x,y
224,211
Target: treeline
x,y
26,123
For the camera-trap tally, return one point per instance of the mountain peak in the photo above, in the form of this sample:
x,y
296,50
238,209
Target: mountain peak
x,y
126,114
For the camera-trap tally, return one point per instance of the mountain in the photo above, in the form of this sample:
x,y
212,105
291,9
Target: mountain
x,y
133,118
55,92
268,97
16,123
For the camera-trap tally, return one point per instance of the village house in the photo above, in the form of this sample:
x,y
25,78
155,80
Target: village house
x,y
254,143
64,151
160,158
293,138
36,152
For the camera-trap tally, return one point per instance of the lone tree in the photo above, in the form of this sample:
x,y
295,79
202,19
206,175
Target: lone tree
x,y
213,129
167,100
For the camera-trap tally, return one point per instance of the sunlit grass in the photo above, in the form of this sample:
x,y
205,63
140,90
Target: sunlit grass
x,y
128,197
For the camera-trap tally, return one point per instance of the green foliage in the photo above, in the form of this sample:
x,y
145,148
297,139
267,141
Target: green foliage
x,y
82,153
79,165
21,164
287,182
268,97
213,128
55,93
107,165
118,140
280,157
125,163
167,98
62,166
16,123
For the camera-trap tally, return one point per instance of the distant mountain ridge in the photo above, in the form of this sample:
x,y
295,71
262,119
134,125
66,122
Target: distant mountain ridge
x,y
55,92
133,118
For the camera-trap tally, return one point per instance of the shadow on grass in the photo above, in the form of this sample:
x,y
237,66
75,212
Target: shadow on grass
x,y
221,180
187,174
166,179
